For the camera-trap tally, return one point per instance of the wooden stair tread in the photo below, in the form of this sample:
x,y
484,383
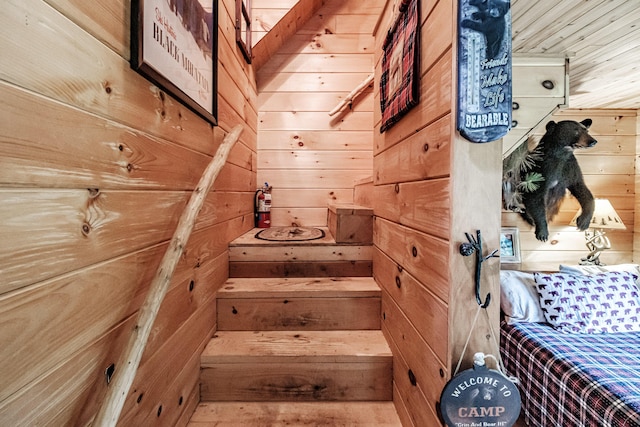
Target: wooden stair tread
x,y
249,414
249,239
236,347
298,253
304,287
349,209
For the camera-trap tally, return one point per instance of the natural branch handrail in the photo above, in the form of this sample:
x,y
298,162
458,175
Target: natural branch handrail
x,y
127,366
352,94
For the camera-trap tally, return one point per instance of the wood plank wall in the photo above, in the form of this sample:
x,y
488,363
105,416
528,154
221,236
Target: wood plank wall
x,y
636,216
309,157
609,170
265,14
96,165
430,187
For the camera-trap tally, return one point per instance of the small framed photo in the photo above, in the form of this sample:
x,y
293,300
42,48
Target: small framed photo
x,y
510,245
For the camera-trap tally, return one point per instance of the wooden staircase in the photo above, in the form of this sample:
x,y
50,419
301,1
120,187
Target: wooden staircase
x,y
297,351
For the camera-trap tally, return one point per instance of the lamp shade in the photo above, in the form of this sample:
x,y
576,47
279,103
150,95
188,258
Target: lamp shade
x,y
604,216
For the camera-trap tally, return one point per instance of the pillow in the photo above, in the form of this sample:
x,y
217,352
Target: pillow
x,y
595,269
519,299
597,303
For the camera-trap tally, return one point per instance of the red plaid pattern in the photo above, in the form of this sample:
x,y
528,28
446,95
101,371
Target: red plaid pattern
x,y
405,33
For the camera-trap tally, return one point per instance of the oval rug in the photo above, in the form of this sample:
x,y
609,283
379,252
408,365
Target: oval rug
x,y
290,234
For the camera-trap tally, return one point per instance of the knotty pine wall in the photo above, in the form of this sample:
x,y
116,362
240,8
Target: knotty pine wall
x,y
96,166
430,188
636,216
609,169
309,157
265,14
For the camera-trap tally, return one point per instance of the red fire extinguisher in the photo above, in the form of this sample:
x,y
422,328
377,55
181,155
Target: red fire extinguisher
x,y
262,207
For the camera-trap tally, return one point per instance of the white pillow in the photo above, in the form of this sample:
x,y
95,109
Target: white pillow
x,y
519,298
595,269
595,303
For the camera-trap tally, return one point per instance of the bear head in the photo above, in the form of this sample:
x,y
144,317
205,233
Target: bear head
x,y
569,134
492,8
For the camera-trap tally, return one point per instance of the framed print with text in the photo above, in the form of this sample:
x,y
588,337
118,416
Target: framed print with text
x,y
174,45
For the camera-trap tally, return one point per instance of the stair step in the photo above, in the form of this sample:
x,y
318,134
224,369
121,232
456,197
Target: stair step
x,y
252,257
254,414
349,223
323,303
296,365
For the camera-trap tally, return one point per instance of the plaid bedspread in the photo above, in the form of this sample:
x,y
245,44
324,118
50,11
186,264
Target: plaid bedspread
x,y
574,379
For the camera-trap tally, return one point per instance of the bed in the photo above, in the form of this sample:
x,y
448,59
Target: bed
x,y
574,344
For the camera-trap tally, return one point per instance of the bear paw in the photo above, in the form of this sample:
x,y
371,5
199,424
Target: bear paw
x,y
583,222
542,234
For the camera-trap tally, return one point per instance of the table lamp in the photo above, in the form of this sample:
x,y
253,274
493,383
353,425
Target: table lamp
x,y
604,217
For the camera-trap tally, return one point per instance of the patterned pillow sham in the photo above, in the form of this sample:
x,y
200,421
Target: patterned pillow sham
x,y
597,303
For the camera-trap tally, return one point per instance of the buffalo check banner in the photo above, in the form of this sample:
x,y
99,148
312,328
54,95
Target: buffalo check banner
x,y
484,69
399,83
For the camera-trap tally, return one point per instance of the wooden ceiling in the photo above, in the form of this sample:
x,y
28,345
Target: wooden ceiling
x,y
601,39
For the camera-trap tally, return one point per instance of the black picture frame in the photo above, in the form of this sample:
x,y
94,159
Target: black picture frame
x,y
174,44
243,28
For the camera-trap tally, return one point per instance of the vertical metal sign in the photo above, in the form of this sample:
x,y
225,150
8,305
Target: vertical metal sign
x,y
484,69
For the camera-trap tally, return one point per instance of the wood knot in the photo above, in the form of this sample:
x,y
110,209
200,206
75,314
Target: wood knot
x,y
412,378
108,373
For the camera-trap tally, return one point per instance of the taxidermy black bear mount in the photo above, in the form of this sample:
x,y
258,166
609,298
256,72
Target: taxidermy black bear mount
x,y
538,183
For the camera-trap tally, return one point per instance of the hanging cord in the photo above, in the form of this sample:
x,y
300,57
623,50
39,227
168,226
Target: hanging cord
x,y
464,349
499,363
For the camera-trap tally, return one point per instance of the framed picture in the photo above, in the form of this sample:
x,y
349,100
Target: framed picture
x,y
174,44
400,79
243,28
509,245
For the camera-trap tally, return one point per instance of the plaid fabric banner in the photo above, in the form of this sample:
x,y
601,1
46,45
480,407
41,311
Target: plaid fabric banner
x,y
399,83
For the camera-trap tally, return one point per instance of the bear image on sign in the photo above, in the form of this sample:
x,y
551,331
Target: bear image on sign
x,y
559,170
484,69
489,20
